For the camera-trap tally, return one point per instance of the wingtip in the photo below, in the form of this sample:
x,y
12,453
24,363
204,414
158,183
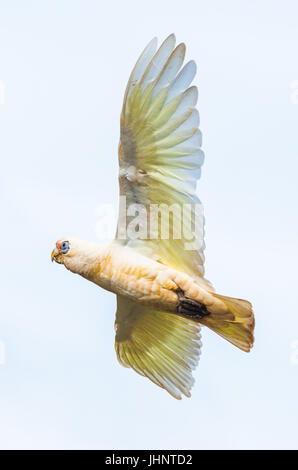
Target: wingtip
x,y
154,41
182,48
192,63
171,37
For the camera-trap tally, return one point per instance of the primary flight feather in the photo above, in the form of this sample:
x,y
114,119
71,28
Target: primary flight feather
x,y
155,264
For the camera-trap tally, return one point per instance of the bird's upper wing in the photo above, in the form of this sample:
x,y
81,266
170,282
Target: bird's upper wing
x,y
160,158
158,345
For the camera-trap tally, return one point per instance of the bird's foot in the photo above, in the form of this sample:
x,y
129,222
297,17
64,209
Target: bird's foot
x,y
189,307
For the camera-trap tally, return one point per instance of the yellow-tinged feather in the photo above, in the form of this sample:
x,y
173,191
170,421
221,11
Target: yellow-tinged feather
x,y
161,346
152,142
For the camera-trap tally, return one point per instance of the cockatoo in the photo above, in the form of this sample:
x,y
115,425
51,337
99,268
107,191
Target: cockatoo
x,y
162,295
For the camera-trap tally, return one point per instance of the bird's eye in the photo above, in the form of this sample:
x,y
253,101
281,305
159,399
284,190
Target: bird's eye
x,y
64,247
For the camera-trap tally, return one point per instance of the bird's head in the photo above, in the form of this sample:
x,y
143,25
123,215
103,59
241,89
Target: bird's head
x,y
64,249
77,255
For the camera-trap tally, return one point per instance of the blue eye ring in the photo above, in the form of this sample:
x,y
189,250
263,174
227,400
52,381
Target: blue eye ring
x,y
64,247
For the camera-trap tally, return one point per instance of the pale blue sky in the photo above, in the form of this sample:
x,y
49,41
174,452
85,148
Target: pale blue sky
x,y
64,66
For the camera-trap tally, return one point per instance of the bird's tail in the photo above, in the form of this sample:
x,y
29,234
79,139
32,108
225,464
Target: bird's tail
x,y
237,325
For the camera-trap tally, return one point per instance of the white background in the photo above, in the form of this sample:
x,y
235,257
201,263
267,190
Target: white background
x,y
63,70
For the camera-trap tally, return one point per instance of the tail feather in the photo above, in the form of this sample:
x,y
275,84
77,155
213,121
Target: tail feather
x,y
237,326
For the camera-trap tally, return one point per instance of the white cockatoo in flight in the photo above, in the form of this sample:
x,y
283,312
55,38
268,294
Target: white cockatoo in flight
x,y
162,295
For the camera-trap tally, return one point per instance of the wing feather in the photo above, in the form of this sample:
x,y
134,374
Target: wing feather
x,y
159,60
160,144
183,79
140,67
160,346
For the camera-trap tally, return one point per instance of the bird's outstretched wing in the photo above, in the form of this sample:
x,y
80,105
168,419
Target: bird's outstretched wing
x,y
158,345
160,159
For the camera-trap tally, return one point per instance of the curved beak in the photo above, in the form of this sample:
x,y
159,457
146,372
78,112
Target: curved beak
x,y
56,256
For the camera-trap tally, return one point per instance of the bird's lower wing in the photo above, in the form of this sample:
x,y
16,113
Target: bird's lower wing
x,y
161,346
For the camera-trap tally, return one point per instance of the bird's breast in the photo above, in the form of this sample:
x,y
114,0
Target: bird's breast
x,y
127,273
